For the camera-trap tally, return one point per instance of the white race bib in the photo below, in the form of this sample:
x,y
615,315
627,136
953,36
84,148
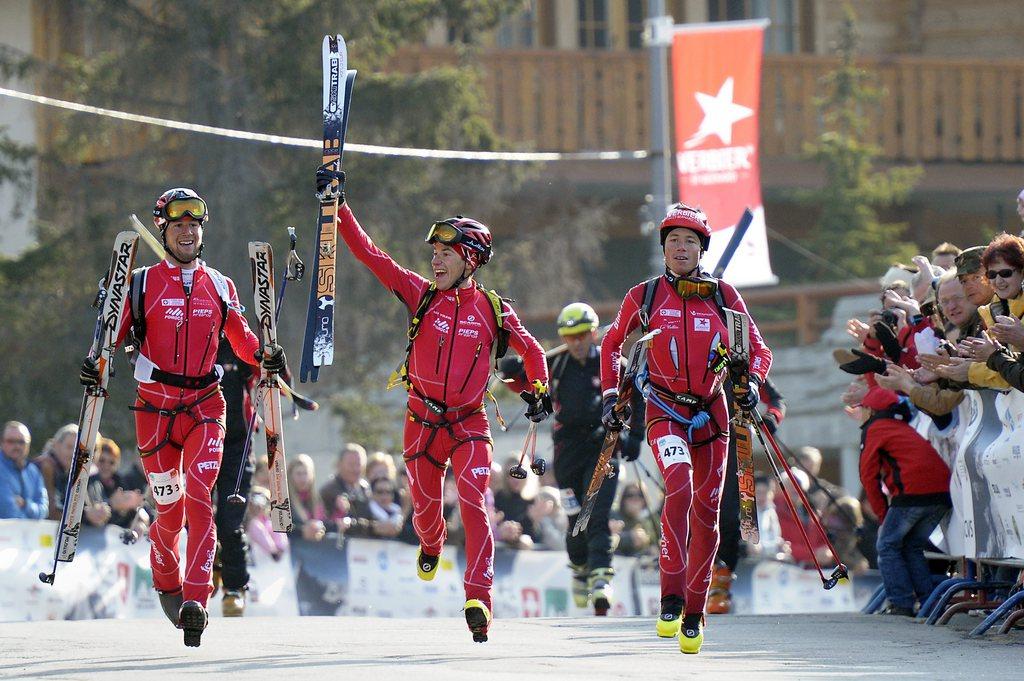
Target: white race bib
x,y
166,486
672,449
569,501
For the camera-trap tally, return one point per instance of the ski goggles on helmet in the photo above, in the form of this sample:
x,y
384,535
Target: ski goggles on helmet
x,y
445,233
705,289
177,209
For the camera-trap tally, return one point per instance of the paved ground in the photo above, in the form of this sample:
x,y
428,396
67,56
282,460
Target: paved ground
x,y
364,649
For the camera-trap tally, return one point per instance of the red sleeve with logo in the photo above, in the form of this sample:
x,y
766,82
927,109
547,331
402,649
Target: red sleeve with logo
x,y
627,319
243,341
534,361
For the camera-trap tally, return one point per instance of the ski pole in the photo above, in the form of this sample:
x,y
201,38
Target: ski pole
x,y
236,498
816,481
647,500
840,571
537,465
650,477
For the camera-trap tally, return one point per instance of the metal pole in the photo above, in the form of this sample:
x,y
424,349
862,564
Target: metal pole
x,y
658,36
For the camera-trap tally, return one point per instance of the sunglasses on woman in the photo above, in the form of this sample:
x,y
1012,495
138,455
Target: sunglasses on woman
x,y
1002,274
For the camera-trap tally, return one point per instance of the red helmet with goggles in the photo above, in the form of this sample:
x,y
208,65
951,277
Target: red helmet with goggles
x,y
175,204
467,237
687,217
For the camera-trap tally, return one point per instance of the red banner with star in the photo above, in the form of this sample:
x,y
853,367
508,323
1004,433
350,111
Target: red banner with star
x,y
716,71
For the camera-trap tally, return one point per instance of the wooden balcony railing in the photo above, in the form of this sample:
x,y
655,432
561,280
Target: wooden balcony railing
x,y
932,109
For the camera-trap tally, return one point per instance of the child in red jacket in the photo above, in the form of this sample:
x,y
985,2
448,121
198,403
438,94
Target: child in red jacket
x,y
907,485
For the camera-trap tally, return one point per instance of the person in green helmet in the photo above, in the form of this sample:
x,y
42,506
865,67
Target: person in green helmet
x,y
575,385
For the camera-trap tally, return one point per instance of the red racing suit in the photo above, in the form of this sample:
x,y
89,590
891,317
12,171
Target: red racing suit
x,y
449,364
179,414
692,460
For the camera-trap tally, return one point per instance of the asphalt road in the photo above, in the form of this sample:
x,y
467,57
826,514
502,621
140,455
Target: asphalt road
x,y
847,646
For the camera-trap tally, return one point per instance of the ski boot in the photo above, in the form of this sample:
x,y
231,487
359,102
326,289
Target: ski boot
x,y
426,565
691,635
478,618
671,612
580,587
719,595
171,601
193,620
600,584
233,603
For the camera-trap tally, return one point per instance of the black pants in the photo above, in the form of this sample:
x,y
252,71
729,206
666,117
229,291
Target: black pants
x,y
576,455
729,513
234,546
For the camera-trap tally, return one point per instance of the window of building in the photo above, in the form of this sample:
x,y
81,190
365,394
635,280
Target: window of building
x,y
636,12
520,29
594,31
783,35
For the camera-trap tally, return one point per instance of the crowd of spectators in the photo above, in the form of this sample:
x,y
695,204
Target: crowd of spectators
x,y
945,325
35,488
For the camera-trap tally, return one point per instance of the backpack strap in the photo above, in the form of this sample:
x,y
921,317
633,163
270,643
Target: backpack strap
x,y
650,288
720,300
498,303
137,304
401,373
220,283
555,372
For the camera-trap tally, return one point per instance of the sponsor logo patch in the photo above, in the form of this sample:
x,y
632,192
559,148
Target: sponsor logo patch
x,y
441,325
480,471
202,313
174,314
172,302
701,324
668,312
469,333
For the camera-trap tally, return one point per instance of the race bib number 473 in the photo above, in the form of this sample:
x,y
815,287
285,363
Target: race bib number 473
x,y
672,449
166,487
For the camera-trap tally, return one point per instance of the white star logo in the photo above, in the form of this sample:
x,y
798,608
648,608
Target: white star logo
x,y
720,114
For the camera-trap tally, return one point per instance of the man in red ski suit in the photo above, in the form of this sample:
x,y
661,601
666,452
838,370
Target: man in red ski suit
x,y
455,325
179,410
687,414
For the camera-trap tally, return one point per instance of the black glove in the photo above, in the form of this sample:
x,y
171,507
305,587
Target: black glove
x,y
771,422
746,396
615,420
273,360
864,364
511,367
886,335
631,444
538,404
89,375
325,189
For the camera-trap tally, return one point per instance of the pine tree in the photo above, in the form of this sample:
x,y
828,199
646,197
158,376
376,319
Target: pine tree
x,y
849,232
